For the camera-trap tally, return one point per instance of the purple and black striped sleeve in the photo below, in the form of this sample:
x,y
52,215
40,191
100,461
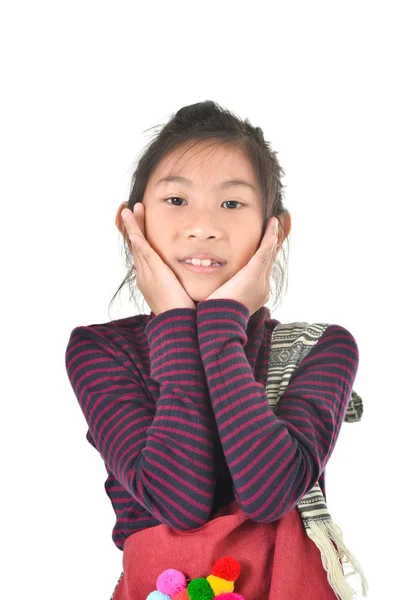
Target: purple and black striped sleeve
x,y
274,458
161,452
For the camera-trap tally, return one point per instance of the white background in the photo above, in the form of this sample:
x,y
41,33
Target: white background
x,y
82,81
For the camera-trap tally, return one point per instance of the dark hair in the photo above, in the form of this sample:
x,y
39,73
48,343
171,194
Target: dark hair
x,y
209,121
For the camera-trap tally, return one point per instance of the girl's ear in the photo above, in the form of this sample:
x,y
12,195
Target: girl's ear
x,y
285,225
118,219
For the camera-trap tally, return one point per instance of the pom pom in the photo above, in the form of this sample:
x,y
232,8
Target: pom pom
x,y
182,595
156,595
171,582
230,596
200,589
226,568
219,585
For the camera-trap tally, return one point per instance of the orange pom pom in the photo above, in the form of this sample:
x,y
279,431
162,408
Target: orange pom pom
x,y
226,568
182,595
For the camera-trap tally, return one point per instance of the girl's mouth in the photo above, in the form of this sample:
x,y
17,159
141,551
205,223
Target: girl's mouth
x,y
200,269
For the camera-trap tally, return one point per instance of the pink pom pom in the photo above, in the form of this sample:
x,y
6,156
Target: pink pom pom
x,y
170,582
229,596
226,568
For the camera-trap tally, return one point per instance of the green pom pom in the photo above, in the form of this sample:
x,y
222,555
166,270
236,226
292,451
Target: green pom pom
x,y
200,589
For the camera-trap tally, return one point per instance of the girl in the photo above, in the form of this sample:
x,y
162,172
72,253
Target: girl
x,y
176,401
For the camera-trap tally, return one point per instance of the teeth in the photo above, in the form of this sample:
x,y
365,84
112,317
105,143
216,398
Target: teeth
x,y
204,263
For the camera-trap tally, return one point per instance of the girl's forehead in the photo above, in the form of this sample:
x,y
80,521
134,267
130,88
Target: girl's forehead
x,y
213,159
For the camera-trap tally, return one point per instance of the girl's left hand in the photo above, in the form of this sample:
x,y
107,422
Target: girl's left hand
x,y
250,285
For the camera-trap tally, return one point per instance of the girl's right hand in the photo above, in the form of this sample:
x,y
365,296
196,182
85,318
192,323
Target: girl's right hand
x,y
155,280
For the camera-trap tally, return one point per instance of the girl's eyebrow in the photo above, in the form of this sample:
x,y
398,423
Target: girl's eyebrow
x,y
222,185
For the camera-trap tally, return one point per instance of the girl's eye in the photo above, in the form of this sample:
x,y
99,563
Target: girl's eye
x,y
178,198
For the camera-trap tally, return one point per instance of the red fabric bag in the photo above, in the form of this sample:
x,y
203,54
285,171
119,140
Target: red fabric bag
x,y
278,560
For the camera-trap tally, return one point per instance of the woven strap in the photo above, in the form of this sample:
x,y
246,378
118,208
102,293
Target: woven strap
x,y
291,342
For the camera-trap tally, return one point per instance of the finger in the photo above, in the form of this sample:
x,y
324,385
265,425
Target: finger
x,y
271,262
132,224
134,234
272,228
269,258
270,236
136,216
266,253
272,246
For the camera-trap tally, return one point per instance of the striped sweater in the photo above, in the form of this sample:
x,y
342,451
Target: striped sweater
x,y
176,405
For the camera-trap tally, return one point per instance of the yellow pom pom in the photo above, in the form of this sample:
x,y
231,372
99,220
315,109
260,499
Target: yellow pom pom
x,y
220,586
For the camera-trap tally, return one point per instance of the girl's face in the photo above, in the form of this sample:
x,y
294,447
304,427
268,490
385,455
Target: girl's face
x,y
202,214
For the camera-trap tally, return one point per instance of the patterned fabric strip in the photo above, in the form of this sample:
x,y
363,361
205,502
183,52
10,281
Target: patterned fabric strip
x,y
290,343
